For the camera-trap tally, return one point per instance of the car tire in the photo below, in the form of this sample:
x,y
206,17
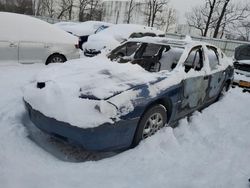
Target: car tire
x,y
224,90
151,121
56,58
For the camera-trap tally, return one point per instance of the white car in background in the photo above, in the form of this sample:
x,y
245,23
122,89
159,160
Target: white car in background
x,y
83,29
113,36
25,39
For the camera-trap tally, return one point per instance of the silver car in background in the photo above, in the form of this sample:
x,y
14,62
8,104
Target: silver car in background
x,y
26,40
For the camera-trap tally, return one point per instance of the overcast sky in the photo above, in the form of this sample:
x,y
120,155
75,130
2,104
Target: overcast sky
x,y
183,6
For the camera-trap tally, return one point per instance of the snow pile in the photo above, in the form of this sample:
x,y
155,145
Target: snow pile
x,y
114,35
18,27
211,150
82,29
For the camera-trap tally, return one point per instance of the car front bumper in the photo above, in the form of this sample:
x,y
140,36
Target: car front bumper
x,y
106,137
91,53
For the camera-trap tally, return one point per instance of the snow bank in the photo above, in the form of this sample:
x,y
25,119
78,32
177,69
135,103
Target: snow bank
x,y
18,27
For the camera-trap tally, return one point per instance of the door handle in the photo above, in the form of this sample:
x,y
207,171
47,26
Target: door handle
x,y
12,45
206,77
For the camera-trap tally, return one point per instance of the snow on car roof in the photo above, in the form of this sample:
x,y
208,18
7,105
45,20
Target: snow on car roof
x,y
123,31
18,27
159,40
82,28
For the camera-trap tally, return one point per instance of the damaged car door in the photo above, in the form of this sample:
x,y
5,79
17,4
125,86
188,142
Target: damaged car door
x,y
217,77
194,87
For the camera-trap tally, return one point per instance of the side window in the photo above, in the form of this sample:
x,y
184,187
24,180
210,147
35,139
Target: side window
x,y
126,50
151,50
131,47
194,60
213,57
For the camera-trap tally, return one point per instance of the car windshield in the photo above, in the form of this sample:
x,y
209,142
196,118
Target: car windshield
x,y
152,57
101,28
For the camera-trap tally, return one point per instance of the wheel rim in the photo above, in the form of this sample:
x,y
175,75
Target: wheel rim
x,y
152,125
57,60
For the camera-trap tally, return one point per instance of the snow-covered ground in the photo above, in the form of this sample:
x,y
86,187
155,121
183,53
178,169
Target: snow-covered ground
x,y
209,150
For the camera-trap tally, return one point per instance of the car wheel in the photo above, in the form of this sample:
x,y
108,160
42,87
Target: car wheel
x,y
151,121
56,58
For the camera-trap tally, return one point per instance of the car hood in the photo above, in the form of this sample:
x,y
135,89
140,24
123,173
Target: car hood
x,y
95,78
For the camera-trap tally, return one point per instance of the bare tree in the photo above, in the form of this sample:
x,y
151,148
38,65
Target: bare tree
x,y
243,31
211,4
82,4
130,9
238,23
197,20
203,17
17,6
220,19
153,10
170,19
216,19
48,8
167,19
89,10
66,7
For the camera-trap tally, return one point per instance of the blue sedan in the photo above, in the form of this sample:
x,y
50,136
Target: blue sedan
x,y
112,103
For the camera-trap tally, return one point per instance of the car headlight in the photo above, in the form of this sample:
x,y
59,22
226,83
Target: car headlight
x,y
107,108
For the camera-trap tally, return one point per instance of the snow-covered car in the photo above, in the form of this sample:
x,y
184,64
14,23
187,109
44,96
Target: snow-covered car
x,y
25,39
106,105
113,36
242,66
84,29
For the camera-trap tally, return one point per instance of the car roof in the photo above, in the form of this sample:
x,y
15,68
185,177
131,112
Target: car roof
x,y
169,41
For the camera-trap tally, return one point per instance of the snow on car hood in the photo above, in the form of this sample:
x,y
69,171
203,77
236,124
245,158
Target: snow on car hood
x,y
65,84
97,77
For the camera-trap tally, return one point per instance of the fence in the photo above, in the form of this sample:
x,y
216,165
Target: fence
x,y
50,20
228,46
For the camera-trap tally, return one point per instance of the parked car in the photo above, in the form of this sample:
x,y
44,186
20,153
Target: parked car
x,y
83,29
25,39
104,105
242,66
115,35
